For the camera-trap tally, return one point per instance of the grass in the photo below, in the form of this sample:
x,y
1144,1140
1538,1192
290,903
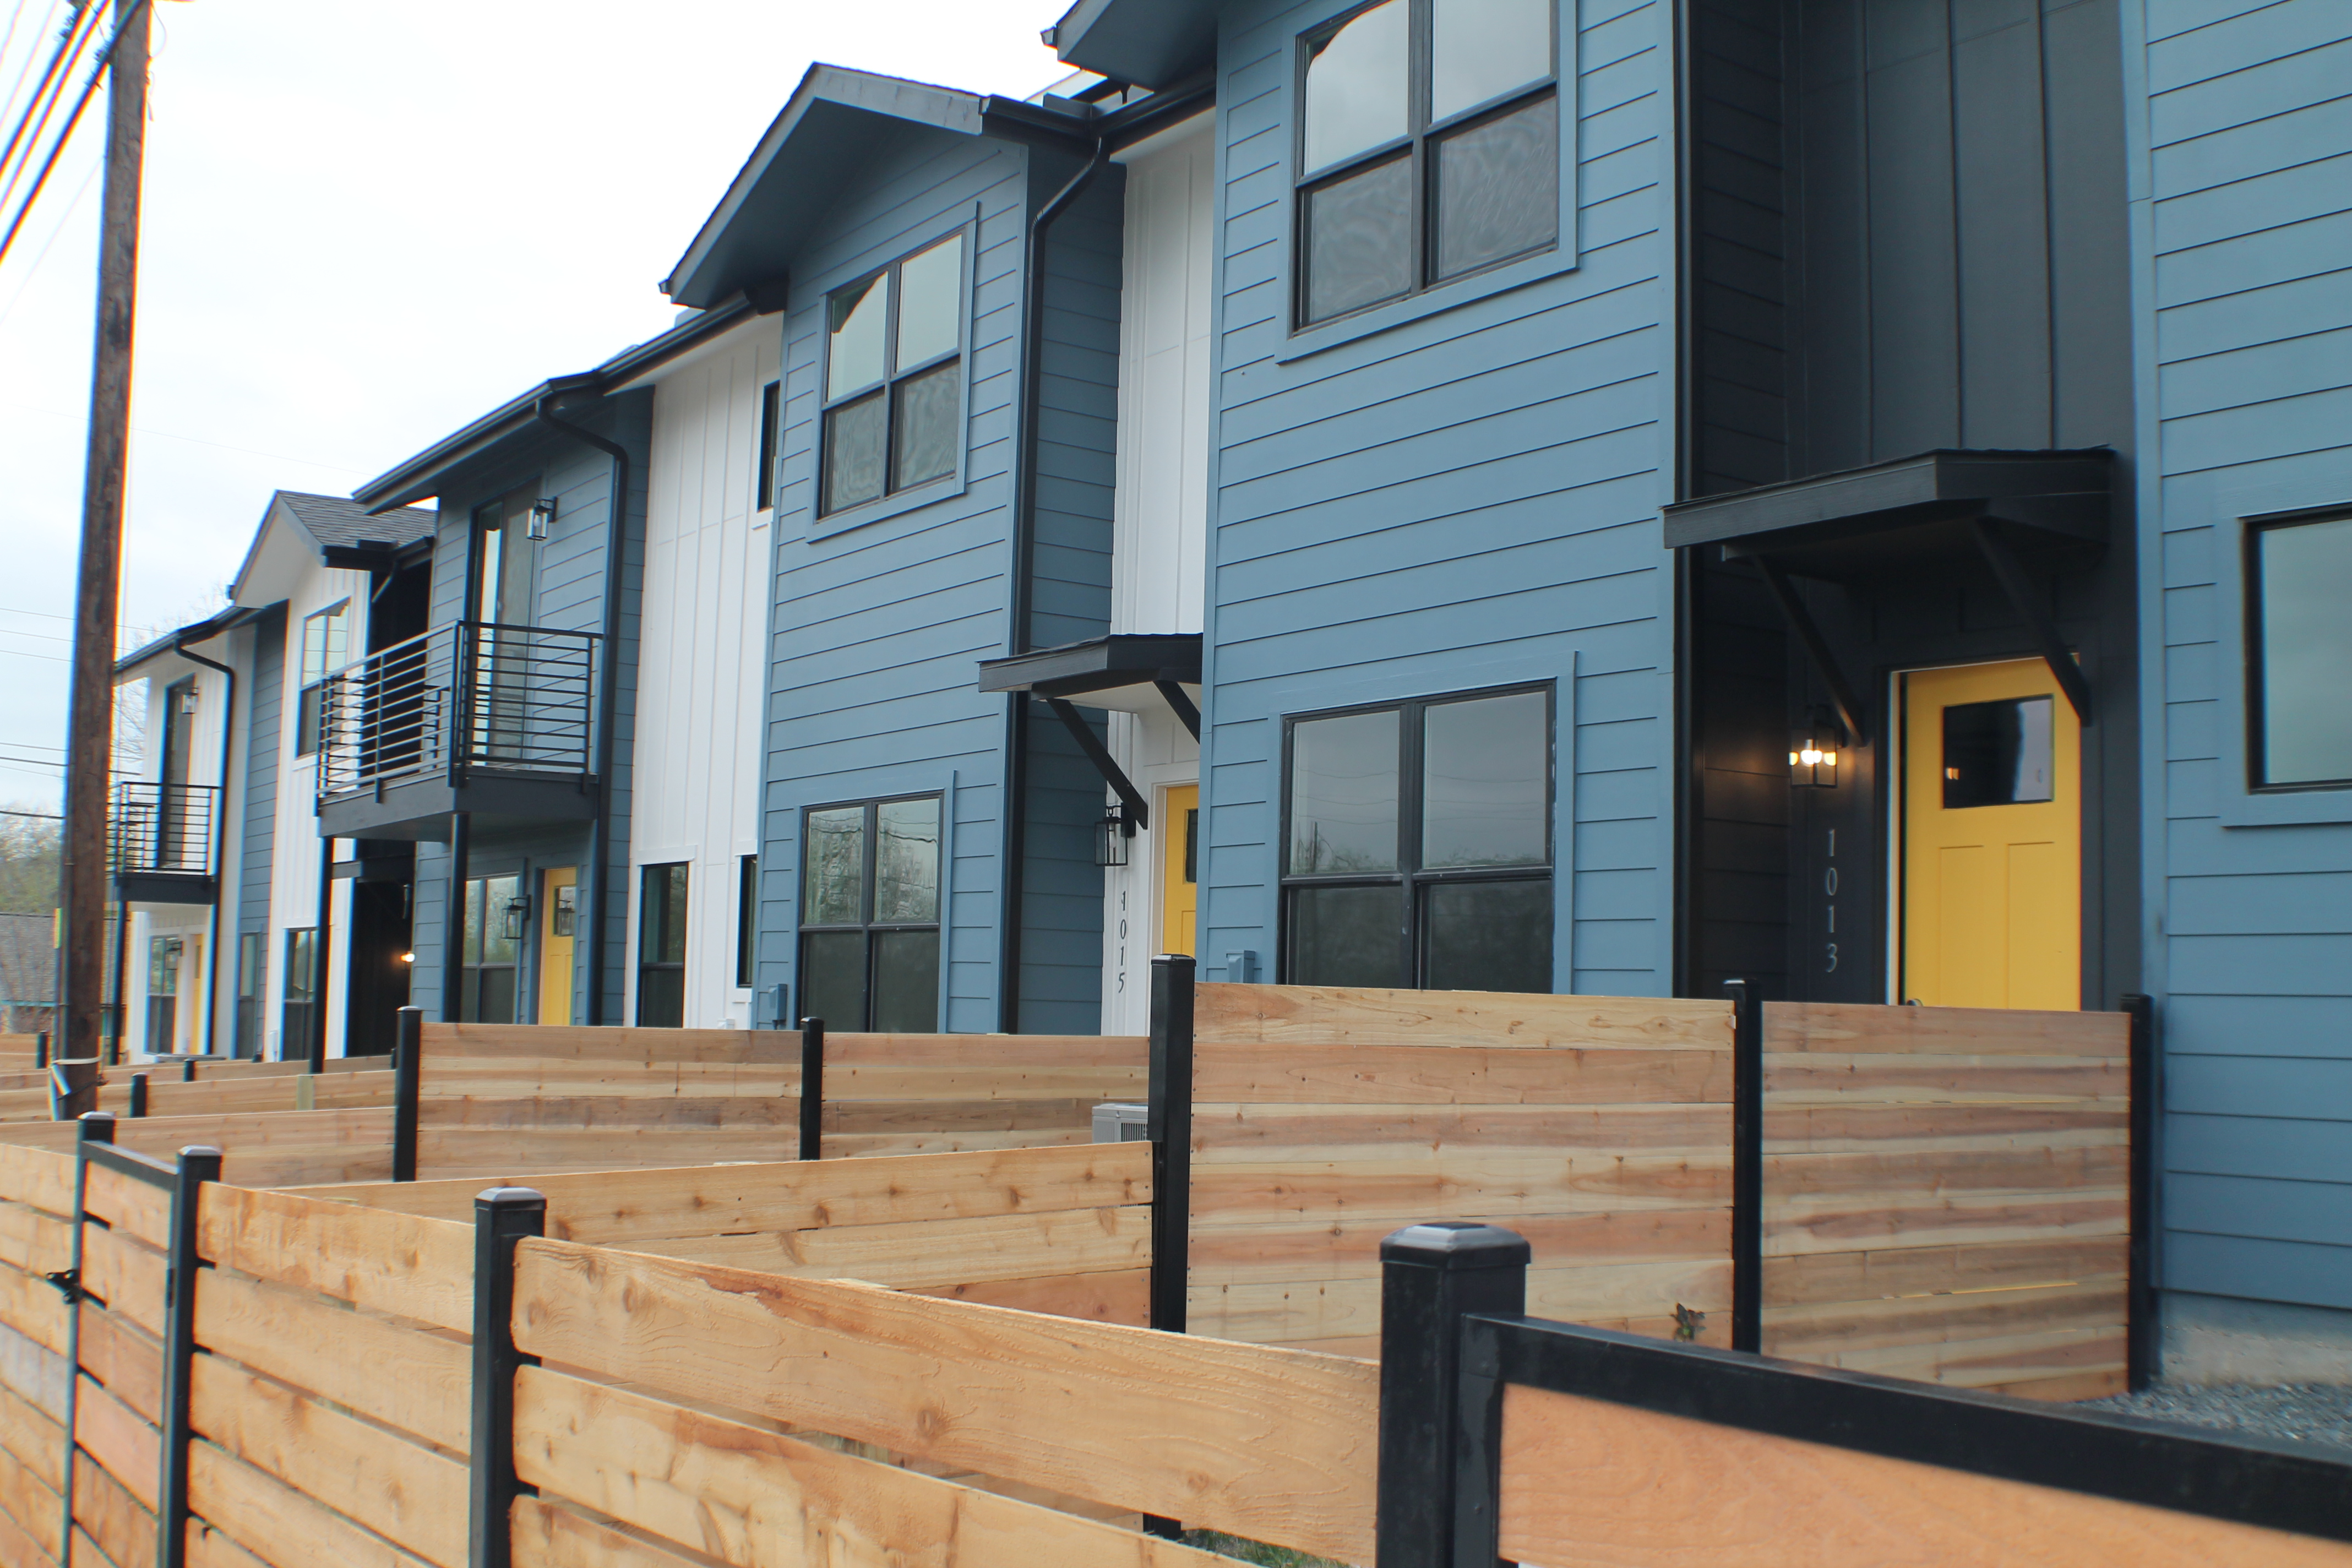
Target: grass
x,y
1257,1551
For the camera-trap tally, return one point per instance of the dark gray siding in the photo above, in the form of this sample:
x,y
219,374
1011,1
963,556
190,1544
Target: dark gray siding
x,y
1465,499
877,629
2249,175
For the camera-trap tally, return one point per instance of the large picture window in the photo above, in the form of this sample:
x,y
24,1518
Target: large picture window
x,y
661,946
1428,148
326,649
1417,845
2298,582
894,377
870,916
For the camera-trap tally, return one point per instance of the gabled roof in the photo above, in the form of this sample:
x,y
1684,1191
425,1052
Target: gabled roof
x,y
794,175
340,522
1146,43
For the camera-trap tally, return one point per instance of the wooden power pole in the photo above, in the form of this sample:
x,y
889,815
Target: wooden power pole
x,y
90,720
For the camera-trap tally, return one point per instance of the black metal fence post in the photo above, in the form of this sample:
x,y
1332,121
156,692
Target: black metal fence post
x,y
1169,1125
407,1074
198,1165
41,1051
502,1217
1747,1165
90,1126
1432,1277
812,1089
2144,1353
138,1095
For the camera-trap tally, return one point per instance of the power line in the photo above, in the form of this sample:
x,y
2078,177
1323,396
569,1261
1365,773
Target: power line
x,y
46,98
98,74
32,53
35,816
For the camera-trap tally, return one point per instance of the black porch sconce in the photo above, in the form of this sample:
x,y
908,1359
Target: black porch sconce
x,y
1813,749
541,518
518,912
1111,835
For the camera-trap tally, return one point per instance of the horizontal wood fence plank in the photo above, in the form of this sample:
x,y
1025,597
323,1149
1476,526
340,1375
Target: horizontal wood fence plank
x,y
1928,1270
1844,1223
33,1372
38,1178
2028,1169
118,1525
960,1118
2000,1364
900,1145
402,1490
413,1379
929,1254
646,1047
128,1360
752,1498
1350,1249
627,1114
1309,1186
1271,1445
128,1276
1811,1333
304,1092
1117,1298
113,1434
612,1209
549,1535
1222,1132
1930,1129
211,1548
35,1242
1452,1075
1314,1015
447,1152
1326,1308
33,1308
278,1525
1587,1482
34,1441
401,1264
1847,1028
129,1206
32,1515
510,1077
1793,1080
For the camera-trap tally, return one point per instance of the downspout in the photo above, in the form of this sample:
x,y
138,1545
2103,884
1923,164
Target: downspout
x,y
220,840
1024,539
599,824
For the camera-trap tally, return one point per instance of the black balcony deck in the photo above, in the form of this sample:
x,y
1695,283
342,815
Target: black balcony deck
x,y
161,842
495,720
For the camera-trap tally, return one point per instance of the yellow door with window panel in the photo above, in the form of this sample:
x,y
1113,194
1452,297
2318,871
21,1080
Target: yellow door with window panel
x,y
559,916
1180,868
1993,839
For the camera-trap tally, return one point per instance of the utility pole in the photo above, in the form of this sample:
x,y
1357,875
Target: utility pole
x,y
90,727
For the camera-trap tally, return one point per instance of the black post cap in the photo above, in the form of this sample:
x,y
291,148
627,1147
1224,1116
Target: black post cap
x,y
1455,1244
511,1198
97,1126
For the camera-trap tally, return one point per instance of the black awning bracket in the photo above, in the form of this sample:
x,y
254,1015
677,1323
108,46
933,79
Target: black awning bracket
x,y
1181,705
1105,764
2018,589
1817,648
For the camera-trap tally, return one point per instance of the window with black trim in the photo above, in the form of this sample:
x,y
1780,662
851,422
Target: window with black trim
x,y
326,649
1417,845
661,946
298,1010
870,915
252,959
746,916
894,377
2299,646
772,415
490,949
1428,148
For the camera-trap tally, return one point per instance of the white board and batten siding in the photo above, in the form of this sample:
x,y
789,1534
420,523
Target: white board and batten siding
x,y
1159,521
709,556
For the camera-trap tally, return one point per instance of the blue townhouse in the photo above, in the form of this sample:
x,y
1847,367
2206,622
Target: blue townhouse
x,y
1559,495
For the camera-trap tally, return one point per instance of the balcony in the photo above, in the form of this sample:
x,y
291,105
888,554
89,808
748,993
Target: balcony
x,y
160,842
495,720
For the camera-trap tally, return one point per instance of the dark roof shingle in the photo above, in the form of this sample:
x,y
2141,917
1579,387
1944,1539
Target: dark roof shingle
x,y
338,521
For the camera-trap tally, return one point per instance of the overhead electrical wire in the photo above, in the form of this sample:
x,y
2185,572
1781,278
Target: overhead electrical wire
x,y
98,74
35,119
32,53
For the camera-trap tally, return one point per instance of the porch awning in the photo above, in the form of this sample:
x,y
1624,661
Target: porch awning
x,y
1127,672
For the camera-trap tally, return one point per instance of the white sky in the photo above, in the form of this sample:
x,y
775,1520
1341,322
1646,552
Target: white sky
x,y
365,225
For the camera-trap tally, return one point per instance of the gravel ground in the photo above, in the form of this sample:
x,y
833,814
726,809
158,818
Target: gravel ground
x,y
2307,1412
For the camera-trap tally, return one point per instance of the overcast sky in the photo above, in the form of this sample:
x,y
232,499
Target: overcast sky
x,y
365,225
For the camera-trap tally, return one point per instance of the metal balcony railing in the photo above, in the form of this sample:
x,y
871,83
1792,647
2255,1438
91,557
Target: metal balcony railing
x,y
468,695
161,828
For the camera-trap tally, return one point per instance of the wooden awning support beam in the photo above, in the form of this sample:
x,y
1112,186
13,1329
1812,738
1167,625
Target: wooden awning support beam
x,y
1817,648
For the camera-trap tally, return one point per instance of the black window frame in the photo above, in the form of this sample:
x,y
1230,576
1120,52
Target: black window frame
x,y
867,925
771,422
894,376
649,930
747,919
1412,730
296,1015
1421,136
310,710
2257,641
252,977
471,969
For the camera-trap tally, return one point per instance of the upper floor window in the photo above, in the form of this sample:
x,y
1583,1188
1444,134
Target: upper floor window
x,y
326,649
1428,148
1417,846
894,377
771,416
2298,580
870,916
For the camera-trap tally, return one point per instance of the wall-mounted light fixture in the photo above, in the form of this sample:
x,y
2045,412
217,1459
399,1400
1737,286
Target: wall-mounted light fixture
x,y
407,958
541,518
188,698
1111,835
518,912
1813,748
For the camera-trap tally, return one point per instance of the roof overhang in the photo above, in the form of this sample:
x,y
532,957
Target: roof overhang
x,y
1901,516
163,657
1126,672
1149,43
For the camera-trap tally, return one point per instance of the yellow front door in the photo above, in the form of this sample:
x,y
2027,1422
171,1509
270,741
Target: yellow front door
x,y
1179,866
559,918
1992,837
